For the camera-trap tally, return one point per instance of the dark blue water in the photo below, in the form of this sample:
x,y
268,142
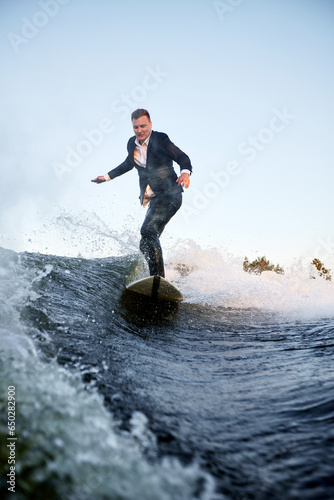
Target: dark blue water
x,y
228,396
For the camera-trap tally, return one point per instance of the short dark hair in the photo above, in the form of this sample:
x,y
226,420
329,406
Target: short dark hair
x,y
138,113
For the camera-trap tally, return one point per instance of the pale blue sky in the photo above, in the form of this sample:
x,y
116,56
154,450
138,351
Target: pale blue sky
x,y
246,89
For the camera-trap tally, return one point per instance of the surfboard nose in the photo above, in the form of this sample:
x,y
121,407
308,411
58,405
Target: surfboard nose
x,y
157,288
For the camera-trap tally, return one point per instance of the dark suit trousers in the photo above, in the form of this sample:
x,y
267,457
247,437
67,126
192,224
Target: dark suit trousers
x,y
159,213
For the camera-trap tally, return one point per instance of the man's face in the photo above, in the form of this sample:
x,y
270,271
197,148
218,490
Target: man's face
x,y
142,128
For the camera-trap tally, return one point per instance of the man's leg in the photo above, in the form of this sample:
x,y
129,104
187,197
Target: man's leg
x,y
159,213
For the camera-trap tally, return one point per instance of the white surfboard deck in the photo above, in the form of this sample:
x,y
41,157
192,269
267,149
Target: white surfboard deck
x,y
157,288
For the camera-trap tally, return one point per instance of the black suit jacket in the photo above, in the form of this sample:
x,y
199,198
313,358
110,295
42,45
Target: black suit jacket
x,y
159,172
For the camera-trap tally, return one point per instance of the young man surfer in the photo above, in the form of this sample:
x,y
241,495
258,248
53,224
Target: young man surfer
x,y
152,154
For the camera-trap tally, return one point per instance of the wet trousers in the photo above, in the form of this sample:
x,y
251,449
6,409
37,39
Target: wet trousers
x,y
159,213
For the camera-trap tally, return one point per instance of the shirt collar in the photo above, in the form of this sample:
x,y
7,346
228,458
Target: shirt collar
x,y
144,143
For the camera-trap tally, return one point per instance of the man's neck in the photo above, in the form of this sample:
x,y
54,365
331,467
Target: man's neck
x,y
141,142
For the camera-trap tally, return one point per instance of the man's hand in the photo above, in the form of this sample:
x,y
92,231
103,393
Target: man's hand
x,y
183,180
99,179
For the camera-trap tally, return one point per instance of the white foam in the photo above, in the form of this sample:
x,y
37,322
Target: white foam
x,y
217,279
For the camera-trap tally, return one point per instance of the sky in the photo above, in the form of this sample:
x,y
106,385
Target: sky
x,y
244,87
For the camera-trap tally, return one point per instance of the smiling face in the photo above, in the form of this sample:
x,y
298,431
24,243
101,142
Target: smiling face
x,y
142,128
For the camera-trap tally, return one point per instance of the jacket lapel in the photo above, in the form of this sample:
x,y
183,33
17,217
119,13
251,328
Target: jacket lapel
x,y
149,147
131,149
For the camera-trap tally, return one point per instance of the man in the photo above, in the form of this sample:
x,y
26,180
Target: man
x,y
152,154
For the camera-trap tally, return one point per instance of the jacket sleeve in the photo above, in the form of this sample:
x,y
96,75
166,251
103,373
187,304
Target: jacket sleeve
x,y
176,154
124,167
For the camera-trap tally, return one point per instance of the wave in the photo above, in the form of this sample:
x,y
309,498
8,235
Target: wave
x,y
207,276
69,445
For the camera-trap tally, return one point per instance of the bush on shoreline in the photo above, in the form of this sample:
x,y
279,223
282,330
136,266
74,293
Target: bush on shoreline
x,y
321,270
261,264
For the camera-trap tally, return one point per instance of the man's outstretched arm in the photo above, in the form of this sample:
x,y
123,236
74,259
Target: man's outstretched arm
x,y
124,167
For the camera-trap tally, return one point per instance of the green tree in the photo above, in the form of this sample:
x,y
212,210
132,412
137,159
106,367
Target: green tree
x,y
261,264
322,271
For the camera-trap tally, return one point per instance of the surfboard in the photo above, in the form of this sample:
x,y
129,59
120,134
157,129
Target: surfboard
x,y
157,288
